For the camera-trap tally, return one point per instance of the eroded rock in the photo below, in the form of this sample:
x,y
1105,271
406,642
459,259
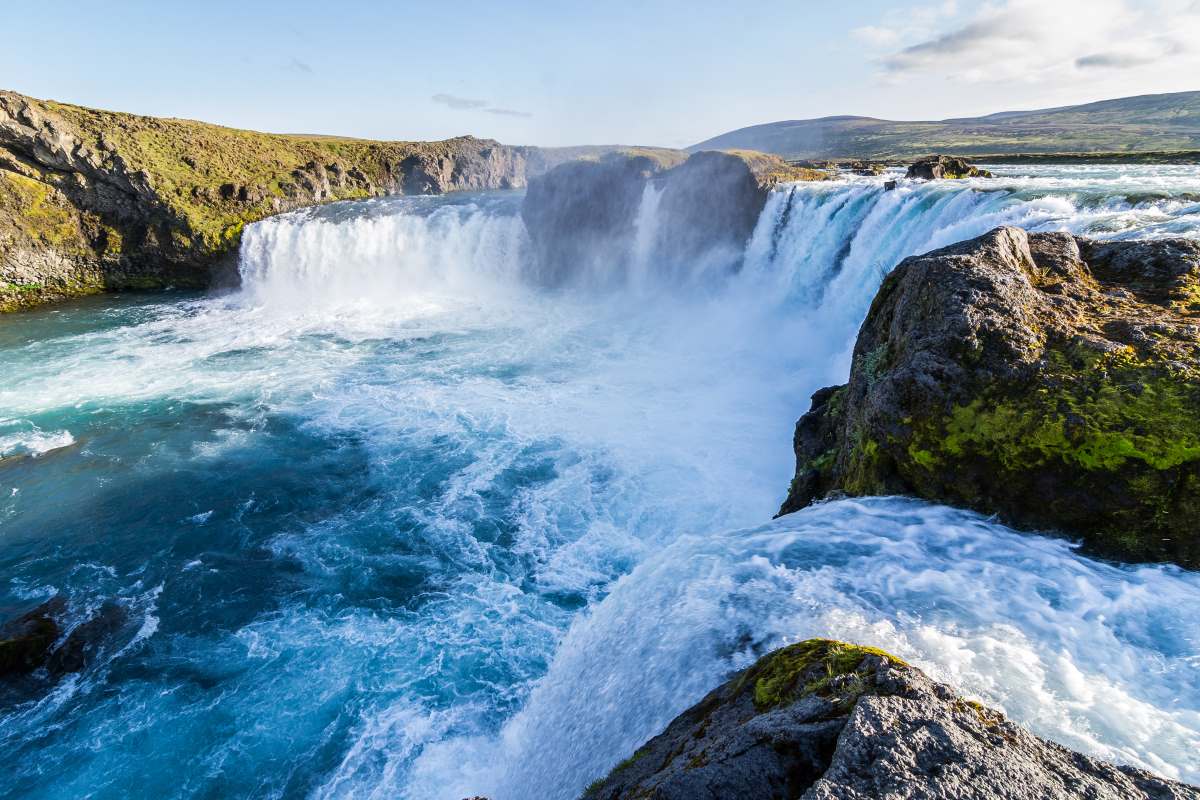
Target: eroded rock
x,y
1051,380
825,720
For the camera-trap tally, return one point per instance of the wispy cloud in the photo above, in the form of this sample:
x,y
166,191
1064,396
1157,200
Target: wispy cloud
x,y
296,65
458,103
898,26
1037,41
468,104
508,112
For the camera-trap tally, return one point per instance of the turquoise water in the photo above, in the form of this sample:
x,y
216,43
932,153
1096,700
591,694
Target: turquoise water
x,y
390,521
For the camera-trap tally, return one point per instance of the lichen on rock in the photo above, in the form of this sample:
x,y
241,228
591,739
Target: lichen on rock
x,y
1051,380
828,720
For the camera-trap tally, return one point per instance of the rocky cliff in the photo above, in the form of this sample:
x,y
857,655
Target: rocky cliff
x,y
581,216
825,720
93,200
1052,380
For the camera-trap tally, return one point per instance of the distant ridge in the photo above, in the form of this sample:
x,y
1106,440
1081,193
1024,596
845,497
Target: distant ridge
x,y
1150,122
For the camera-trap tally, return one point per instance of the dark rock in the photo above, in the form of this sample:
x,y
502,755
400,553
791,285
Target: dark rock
x,y
34,640
26,642
1051,380
889,185
86,640
823,720
938,167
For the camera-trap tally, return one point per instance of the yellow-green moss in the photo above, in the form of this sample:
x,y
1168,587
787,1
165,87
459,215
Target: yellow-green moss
x,y
808,667
39,212
1098,415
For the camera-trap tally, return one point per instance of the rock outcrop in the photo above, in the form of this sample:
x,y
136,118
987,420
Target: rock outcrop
x,y
40,639
94,200
1051,380
825,720
581,215
938,167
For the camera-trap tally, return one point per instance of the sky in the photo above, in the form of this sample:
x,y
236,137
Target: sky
x,y
656,72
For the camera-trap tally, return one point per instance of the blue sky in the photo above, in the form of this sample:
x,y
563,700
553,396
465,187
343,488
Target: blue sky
x,y
662,73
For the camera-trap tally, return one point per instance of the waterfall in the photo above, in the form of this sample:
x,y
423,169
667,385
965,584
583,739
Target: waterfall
x,y
825,244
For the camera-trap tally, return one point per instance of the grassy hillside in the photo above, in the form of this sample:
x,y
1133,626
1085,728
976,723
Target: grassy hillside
x,y
1163,122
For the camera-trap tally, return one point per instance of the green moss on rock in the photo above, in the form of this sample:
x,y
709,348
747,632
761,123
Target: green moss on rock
x,y
810,667
1052,381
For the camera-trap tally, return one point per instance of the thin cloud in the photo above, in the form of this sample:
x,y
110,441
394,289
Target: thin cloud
x,y
1113,61
508,112
469,104
458,103
1033,41
296,65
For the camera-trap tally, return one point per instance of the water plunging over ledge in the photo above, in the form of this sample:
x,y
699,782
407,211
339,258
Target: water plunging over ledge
x,y
393,520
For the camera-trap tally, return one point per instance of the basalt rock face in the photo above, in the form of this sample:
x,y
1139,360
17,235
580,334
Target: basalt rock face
x,y
824,720
94,200
939,167
582,216
1051,380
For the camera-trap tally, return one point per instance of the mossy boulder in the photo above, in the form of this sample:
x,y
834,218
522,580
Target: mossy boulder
x,y
1051,380
829,720
945,167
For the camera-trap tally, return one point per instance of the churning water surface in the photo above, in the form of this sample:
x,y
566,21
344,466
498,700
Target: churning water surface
x,y
392,521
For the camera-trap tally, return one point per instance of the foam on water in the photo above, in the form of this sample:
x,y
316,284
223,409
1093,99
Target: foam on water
x,y
392,521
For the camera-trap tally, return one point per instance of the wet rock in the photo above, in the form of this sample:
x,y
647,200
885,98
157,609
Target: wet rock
x,y
87,639
26,641
939,167
1050,380
34,640
824,720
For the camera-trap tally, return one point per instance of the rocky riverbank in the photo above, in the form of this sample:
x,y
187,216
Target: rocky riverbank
x,y
96,200
1049,379
825,720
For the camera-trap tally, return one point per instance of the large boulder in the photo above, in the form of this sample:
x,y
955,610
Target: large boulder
x,y
825,720
26,641
1052,380
42,639
939,167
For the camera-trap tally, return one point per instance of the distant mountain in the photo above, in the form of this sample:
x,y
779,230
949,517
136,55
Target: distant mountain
x,y
1152,122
